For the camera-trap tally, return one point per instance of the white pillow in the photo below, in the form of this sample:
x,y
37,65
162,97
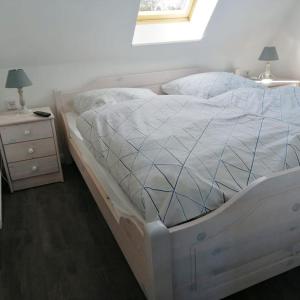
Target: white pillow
x,y
95,98
207,85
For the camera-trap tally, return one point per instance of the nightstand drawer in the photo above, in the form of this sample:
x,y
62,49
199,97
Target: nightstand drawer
x,y
29,150
26,132
34,167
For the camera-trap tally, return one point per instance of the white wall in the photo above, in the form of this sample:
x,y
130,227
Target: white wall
x,y
288,44
64,44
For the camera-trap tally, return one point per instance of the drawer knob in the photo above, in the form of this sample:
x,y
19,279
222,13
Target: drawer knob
x,y
34,168
30,150
27,132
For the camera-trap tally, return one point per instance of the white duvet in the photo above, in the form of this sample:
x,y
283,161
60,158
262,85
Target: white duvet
x,y
281,103
178,158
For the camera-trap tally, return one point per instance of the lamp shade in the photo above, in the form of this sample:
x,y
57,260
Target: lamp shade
x,y
269,54
17,79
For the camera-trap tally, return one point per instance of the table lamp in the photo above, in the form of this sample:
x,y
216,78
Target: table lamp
x,y
268,54
18,79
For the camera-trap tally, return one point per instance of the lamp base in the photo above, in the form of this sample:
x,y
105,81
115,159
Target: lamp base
x,y
24,110
267,74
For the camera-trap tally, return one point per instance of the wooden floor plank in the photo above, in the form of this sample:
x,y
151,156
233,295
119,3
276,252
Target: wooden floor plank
x,y
55,245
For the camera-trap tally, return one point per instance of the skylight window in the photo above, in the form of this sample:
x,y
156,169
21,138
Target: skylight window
x,y
165,10
159,21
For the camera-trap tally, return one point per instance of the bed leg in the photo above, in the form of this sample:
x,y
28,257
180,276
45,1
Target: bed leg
x,y
159,258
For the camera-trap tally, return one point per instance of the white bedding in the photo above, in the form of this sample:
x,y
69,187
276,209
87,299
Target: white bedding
x,y
281,103
116,195
96,98
208,85
178,158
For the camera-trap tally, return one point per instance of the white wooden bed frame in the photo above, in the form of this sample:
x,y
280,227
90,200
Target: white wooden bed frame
x,y
254,236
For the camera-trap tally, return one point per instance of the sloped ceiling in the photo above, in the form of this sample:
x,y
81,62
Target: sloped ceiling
x,y
35,32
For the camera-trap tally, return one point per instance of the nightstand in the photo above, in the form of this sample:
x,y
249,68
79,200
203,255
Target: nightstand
x,y
278,82
29,149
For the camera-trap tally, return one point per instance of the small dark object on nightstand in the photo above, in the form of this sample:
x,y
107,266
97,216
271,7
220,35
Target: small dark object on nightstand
x,y
42,114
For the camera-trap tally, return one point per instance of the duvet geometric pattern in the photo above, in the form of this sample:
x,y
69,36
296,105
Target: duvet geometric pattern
x,y
281,103
178,158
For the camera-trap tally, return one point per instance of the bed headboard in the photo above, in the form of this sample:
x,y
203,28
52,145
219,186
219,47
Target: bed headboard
x,y
153,80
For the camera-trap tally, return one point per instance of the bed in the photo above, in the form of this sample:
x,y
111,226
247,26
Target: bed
x,y
253,236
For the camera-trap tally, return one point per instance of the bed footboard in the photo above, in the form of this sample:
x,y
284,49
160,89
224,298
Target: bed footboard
x,y
251,238
158,253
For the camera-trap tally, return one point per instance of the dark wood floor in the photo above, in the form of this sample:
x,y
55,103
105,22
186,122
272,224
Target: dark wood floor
x,y
55,245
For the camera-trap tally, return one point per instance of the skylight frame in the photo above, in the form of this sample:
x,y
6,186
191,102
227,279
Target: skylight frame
x,y
167,16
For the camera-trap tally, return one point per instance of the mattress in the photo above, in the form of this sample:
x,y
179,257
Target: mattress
x,y
119,199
